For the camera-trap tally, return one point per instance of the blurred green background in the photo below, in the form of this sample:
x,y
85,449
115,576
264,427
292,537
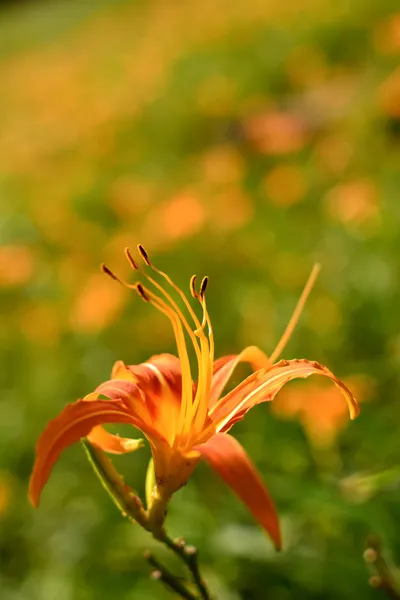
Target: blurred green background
x,y
244,140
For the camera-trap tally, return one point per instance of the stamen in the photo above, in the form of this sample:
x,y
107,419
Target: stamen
x,y
108,272
176,323
203,354
183,357
203,286
185,417
176,309
144,255
200,404
131,260
192,409
296,313
140,290
193,286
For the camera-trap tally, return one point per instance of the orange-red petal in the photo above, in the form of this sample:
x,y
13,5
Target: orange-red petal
x,y
263,385
224,367
114,444
128,393
73,423
159,373
160,381
229,459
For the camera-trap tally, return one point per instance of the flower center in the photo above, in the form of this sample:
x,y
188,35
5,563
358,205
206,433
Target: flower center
x,y
194,407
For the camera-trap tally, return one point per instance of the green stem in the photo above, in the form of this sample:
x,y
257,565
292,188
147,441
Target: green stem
x,y
168,578
128,503
152,520
189,555
384,578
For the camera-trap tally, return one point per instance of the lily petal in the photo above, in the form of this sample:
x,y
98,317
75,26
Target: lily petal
x,y
73,423
121,371
161,373
229,459
263,385
224,367
114,444
160,381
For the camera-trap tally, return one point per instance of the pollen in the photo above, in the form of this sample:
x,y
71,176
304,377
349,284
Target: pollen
x,y
131,260
108,272
140,290
144,255
193,286
203,286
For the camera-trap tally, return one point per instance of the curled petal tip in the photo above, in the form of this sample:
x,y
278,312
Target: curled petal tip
x,y
277,541
230,461
354,411
75,421
33,497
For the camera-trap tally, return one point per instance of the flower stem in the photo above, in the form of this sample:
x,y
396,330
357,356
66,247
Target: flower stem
x,y
167,578
128,503
189,555
152,520
383,577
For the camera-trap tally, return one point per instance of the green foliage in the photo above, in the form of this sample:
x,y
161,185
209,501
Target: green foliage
x,y
240,142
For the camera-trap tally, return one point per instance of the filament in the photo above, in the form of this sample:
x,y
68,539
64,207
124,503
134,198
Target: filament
x,y
296,313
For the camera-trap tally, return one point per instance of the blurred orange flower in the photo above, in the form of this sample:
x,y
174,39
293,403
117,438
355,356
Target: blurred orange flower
x,y
184,421
387,35
318,408
17,265
306,66
130,197
98,305
334,151
389,94
276,132
41,323
353,201
179,217
231,210
285,185
223,165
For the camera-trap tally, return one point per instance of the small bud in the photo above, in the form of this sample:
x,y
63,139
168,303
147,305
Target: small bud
x,y
370,555
191,550
156,574
375,581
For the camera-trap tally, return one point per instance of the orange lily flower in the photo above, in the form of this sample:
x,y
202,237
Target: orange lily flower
x,y
183,421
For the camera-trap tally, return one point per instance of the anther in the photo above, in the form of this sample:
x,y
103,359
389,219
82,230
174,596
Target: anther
x,y
203,286
193,286
108,272
140,290
144,255
131,259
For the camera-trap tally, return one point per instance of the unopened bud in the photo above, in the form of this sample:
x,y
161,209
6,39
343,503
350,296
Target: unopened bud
x,y
375,581
370,555
156,574
191,550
